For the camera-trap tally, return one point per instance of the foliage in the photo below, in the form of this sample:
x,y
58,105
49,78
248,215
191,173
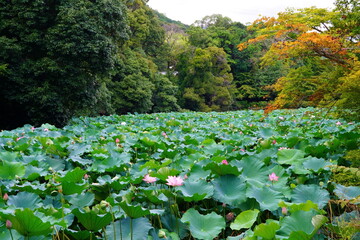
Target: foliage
x,y
164,95
346,176
131,85
58,55
353,157
328,42
86,180
205,80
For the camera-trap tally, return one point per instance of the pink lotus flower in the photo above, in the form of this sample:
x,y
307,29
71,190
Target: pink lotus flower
x,y
86,176
273,177
274,141
174,181
6,197
117,140
46,129
338,123
284,210
281,118
8,224
225,162
149,179
243,150
164,134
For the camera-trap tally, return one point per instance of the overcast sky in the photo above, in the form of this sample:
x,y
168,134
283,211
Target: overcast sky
x,y
244,11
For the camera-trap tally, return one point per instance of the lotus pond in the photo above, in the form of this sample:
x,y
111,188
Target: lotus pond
x,y
233,175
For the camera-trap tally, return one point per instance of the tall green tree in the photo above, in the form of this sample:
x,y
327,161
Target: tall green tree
x,y
59,55
205,80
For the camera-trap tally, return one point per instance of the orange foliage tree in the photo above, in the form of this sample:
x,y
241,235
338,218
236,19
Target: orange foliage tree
x,y
318,46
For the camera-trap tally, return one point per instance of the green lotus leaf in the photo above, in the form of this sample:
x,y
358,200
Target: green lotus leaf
x,y
32,172
230,189
164,172
25,200
213,148
253,170
318,221
11,170
28,224
70,188
298,168
302,222
267,230
293,207
79,235
5,233
267,132
222,169
79,149
110,163
299,235
91,220
346,193
245,219
138,227
197,172
290,156
312,192
8,156
163,233
315,164
196,190
55,163
74,176
81,200
174,224
266,197
154,196
134,211
203,226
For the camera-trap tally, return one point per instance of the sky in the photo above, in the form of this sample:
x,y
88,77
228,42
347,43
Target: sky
x,y
244,11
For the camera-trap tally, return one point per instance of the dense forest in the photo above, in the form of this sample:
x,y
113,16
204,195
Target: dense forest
x,y
61,59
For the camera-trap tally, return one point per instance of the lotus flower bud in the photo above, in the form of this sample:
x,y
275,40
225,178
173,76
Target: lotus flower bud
x,y
8,224
6,197
161,234
230,216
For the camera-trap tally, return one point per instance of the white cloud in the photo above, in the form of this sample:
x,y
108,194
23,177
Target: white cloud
x,y
244,11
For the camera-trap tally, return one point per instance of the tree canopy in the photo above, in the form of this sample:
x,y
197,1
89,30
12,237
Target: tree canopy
x,y
61,59
321,50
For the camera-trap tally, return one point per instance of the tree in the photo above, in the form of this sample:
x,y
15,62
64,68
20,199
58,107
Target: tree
x,y
59,55
164,95
205,80
136,85
131,85
315,35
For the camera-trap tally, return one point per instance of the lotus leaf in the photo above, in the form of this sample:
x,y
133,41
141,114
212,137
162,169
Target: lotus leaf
x,y
203,226
245,219
230,189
